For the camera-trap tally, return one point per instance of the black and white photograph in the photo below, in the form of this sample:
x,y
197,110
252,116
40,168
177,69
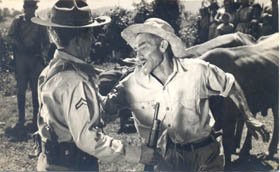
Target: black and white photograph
x,y
139,85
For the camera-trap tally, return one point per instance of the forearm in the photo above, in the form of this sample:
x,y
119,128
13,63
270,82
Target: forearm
x,y
237,96
114,102
253,125
104,147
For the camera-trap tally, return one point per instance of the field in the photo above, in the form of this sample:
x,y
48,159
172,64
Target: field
x,y
14,155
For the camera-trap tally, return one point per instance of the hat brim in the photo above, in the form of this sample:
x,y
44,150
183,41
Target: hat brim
x,y
43,19
177,46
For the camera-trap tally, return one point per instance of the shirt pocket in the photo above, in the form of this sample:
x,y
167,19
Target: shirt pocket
x,y
143,111
143,114
188,112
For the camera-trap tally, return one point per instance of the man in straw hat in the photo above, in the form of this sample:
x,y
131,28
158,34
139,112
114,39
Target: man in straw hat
x,y
29,41
70,111
182,87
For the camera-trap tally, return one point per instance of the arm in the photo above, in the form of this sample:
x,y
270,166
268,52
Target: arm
x,y
224,84
115,100
237,96
12,36
82,115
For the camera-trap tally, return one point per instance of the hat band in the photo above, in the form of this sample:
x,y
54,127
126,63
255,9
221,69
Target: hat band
x,y
71,18
72,22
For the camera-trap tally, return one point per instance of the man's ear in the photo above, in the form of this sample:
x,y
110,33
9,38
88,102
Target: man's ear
x,y
163,46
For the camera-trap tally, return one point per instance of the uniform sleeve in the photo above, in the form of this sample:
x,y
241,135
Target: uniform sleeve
x,y
82,116
217,81
13,30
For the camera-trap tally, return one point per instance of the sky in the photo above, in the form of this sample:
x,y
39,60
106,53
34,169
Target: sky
x,y
190,5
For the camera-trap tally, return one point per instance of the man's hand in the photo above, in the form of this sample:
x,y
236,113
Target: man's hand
x,y
149,156
255,126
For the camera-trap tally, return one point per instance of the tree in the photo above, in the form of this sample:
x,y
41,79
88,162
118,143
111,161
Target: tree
x,y
168,10
109,45
144,10
188,31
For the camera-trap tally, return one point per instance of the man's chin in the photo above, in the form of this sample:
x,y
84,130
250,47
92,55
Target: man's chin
x,y
147,68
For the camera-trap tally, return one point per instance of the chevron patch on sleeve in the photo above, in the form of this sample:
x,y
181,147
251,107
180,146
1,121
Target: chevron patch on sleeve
x,y
80,103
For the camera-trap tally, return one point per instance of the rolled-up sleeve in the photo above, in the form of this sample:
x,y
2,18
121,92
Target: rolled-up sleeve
x,y
83,113
218,82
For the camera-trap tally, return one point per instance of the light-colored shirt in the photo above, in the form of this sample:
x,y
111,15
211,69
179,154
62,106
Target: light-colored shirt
x,y
70,105
184,100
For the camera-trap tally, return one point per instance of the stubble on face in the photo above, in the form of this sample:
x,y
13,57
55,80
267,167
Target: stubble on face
x,y
148,54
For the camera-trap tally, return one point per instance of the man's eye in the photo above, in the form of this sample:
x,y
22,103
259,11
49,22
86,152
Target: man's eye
x,y
141,47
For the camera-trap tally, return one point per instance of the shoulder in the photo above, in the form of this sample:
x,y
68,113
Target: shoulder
x,y
193,64
19,18
62,80
67,83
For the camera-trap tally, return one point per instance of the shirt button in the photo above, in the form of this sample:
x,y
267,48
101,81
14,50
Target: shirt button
x,y
167,108
169,125
143,107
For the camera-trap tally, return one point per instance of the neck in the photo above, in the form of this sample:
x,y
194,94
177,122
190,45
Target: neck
x,y
75,50
165,69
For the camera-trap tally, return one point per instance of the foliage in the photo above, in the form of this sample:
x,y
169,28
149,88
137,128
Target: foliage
x,y
7,83
6,12
109,45
144,10
168,10
188,31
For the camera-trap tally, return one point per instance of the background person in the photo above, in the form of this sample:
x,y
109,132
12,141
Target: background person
x,y
28,41
225,27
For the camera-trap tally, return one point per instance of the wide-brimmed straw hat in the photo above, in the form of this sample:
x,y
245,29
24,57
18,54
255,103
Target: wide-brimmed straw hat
x,y
157,27
69,14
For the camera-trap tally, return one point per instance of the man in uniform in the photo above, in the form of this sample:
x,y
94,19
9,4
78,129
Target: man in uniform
x,y
70,112
182,87
28,41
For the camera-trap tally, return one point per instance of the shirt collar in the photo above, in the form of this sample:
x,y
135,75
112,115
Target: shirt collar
x,y
177,66
182,66
60,54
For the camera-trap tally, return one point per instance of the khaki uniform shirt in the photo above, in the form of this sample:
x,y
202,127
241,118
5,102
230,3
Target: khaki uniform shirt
x,y
30,37
70,105
184,100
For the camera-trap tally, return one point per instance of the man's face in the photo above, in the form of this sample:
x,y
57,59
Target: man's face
x,y
29,11
149,55
85,43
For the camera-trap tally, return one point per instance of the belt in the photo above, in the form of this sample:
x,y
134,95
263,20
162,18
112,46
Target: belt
x,y
192,146
67,154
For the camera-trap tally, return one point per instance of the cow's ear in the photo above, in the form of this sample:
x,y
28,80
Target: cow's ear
x,y
163,46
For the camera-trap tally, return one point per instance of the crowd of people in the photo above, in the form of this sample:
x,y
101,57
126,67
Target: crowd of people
x,y
236,16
